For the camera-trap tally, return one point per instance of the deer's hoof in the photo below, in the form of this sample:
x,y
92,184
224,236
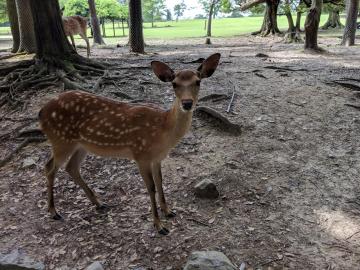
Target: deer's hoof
x,y
163,231
170,214
102,207
56,216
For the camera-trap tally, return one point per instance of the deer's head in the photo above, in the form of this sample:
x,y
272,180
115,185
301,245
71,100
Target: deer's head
x,y
186,83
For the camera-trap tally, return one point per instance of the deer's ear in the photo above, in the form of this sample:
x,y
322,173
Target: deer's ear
x,y
163,71
207,68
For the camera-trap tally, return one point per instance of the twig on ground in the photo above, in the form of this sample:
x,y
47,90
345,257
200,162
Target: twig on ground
x,y
198,222
347,238
199,60
232,99
123,95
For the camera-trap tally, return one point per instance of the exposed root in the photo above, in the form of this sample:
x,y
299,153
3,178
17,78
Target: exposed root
x,y
31,75
24,143
225,122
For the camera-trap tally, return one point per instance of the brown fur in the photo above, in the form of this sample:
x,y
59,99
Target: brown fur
x,y
76,25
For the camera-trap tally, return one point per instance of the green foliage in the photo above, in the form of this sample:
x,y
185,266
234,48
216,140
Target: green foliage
x,y
224,6
110,9
258,9
153,10
76,7
179,9
3,11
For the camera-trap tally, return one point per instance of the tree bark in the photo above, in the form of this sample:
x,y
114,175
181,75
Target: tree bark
x,y
292,34
136,37
209,22
312,25
298,21
14,24
352,7
51,40
95,24
26,27
333,20
55,60
269,25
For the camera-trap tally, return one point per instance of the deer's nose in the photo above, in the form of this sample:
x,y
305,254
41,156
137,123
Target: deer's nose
x,y
187,104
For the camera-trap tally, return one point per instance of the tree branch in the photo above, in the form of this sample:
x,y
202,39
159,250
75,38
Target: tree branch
x,y
250,3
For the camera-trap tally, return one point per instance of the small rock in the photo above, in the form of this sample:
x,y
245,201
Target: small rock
x,y
95,266
208,260
18,260
28,162
206,189
261,55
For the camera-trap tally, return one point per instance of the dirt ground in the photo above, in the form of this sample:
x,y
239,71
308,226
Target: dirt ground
x,y
289,183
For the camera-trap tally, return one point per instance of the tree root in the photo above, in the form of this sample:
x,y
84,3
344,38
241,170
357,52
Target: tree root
x,y
351,86
214,97
24,143
31,75
225,122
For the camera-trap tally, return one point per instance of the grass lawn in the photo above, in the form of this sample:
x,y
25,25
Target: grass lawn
x,y
224,27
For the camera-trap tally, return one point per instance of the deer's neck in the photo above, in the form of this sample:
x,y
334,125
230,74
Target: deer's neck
x,y
179,121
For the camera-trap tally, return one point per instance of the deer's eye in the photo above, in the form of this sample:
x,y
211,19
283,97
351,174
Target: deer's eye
x,y
174,84
198,82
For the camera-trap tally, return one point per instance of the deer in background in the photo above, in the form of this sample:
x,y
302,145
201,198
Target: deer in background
x,y
76,25
78,122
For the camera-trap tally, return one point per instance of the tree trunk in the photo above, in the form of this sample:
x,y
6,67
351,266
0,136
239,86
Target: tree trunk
x,y
136,38
26,27
312,25
352,7
95,23
269,25
209,22
113,24
103,27
55,61
292,34
333,20
14,24
298,21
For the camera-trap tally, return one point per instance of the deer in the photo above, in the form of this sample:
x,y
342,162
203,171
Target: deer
x,y
76,25
77,123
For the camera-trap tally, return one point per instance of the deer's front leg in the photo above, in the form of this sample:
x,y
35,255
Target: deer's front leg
x,y
146,173
156,172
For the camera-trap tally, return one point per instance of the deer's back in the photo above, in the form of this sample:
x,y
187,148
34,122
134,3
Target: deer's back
x,y
102,124
74,25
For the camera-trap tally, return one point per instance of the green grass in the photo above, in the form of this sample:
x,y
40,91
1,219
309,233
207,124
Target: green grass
x,y
225,27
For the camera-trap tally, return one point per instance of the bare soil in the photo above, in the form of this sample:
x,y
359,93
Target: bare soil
x,y
289,183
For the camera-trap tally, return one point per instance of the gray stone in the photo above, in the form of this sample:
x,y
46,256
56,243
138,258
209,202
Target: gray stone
x,y
206,189
95,266
17,260
208,260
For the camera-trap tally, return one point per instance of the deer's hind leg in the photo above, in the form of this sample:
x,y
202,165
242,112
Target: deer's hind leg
x,y
60,154
87,43
73,42
73,168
